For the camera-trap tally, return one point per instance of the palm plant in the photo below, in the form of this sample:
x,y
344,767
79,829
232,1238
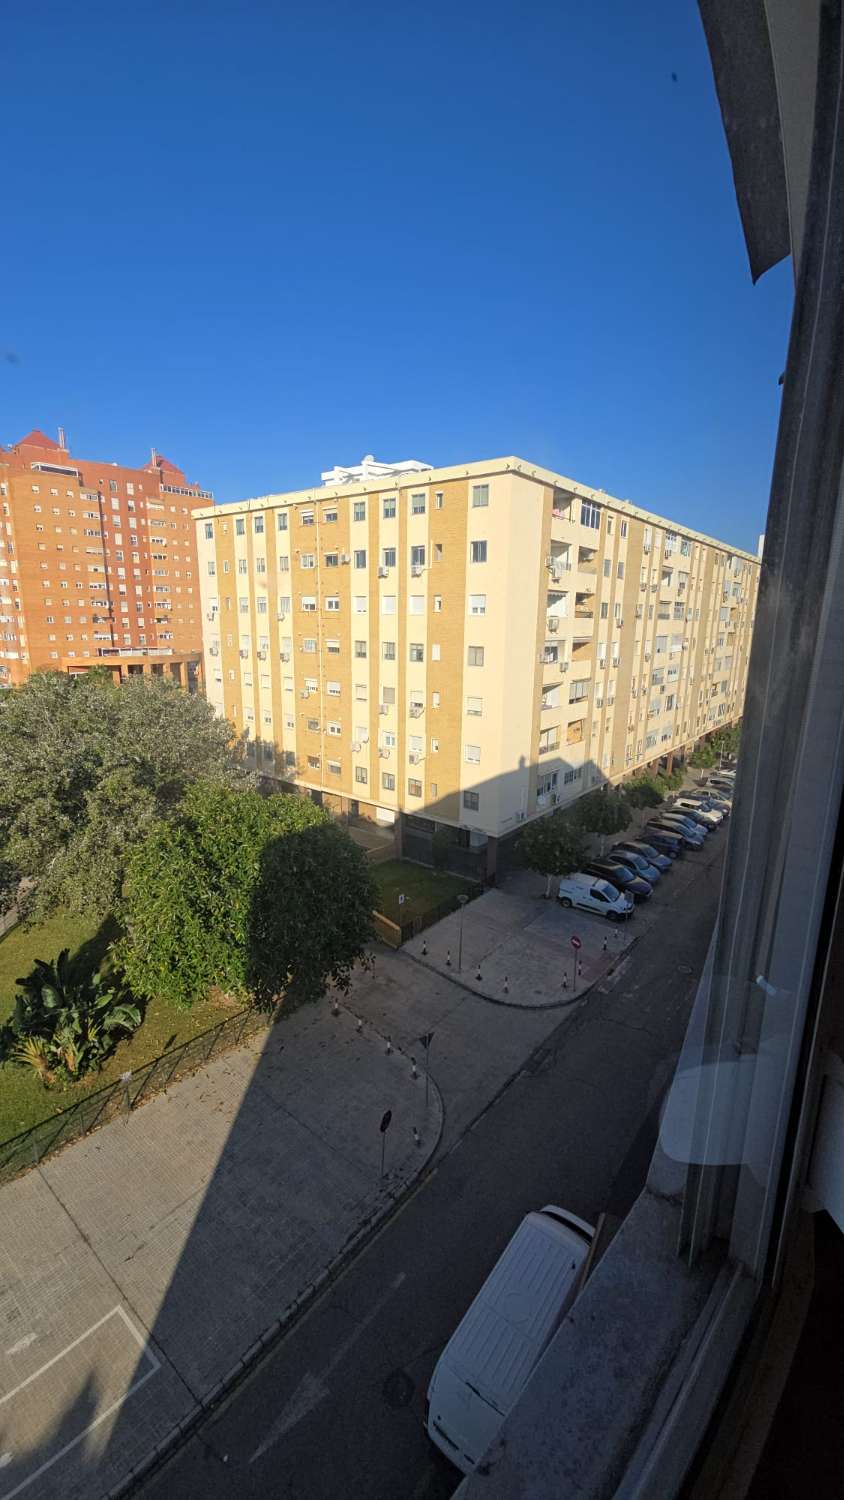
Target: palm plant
x,y
67,1024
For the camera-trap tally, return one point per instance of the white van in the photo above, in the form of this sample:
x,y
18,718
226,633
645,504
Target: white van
x,y
592,894
489,1358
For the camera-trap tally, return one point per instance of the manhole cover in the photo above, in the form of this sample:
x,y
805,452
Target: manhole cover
x,y
398,1389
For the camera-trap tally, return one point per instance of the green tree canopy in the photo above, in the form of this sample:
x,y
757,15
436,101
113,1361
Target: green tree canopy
x,y
603,812
703,757
256,895
87,766
643,791
552,846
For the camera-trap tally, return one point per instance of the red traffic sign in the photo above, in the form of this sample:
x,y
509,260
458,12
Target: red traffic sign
x,y
575,942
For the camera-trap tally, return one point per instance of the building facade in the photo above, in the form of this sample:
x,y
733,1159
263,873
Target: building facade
x,y
467,646
97,562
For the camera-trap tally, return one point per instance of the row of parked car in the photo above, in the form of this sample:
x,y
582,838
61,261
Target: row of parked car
x,y
613,884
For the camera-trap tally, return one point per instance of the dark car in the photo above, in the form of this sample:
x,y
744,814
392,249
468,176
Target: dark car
x,y
666,840
709,804
661,861
637,863
621,877
682,820
685,839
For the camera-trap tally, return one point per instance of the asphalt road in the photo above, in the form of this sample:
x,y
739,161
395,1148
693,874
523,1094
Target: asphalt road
x,y
336,1410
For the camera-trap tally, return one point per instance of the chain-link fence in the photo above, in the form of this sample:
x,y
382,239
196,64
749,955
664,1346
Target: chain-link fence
x,y
30,1147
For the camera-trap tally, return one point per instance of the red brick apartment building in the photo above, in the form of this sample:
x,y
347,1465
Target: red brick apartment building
x,y
97,564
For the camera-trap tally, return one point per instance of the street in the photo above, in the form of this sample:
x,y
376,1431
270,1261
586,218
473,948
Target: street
x,y
336,1408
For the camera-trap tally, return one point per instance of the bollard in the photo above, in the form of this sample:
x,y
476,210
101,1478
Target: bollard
x,y
389,1045
424,948
604,949
478,976
417,1137
414,1071
579,969
565,981
448,958
506,985
335,1009
359,1026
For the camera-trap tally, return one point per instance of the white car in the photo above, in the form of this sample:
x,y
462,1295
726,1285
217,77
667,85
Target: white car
x,y
591,893
708,816
494,1350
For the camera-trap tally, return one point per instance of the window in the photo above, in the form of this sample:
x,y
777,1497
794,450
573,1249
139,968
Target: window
x,y
281,520
472,801
435,651
361,775
334,728
360,692
333,767
623,528
262,605
414,787
417,505
242,565
438,552
332,603
329,516
607,567
212,568
309,646
313,762
478,551
619,570
240,526
578,691
416,651
332,689
435,700
313,725
388,780
260,565
438,499
605,609
360,604
332,647
388,604
472,754
480,495
259,525
477,604
388,507
209,531
417,557
307,560
308,603
360,649
306,518
388,557
332,559
388,650
359,510
590,514
475,656
388,695
360,558
438,604
243,604
417,604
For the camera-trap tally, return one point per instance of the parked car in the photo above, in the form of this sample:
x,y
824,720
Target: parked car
x,y
683,820
498,1343
621,877
686,840
721,782
706,816
637,863
660,861
664,840
711,802
591,893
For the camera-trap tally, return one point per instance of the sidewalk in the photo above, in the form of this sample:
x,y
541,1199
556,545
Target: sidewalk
x,y
139,1267
517,949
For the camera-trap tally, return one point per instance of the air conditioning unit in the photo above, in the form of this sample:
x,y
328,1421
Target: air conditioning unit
x,y
416,709
416,570
646,547
345,557
214,650
553,624
262,655
415,757
285,655
383,708
383,572
304,692
243,653
384,753
355,746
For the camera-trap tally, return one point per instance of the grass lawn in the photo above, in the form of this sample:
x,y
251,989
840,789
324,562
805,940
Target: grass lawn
x,y
23,1099
422,888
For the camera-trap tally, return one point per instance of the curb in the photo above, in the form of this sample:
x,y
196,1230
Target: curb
x,y
183,1430
568,999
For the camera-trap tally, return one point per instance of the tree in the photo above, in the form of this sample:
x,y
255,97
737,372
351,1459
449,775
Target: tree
x,y
643,792
88,765
65,1024
257,896
552,846
703,757
604,812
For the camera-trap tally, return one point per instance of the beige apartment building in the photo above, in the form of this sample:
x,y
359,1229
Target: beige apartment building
x,y
466,646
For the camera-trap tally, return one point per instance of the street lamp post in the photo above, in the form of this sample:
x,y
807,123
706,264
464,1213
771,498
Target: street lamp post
x,y
462,903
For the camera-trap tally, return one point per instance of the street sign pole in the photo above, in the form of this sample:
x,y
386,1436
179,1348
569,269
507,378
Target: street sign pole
x,y
384,1127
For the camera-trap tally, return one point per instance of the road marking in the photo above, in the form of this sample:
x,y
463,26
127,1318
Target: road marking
x,y
312,1389
143,1345
23,1343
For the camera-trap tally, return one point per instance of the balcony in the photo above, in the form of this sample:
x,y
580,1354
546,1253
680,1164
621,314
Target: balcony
x,y
582,612
416,710
581,651
587,560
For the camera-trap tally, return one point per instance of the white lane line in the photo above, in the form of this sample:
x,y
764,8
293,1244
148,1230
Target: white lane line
x,y
312,1389
155,1365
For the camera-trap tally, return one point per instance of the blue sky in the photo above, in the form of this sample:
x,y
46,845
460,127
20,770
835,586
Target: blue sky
x,y
269,239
